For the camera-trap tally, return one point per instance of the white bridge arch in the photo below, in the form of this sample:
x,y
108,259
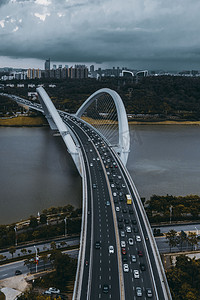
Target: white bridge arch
x,y
123,146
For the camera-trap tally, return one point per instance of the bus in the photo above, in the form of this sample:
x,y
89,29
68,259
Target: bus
x,y
128,199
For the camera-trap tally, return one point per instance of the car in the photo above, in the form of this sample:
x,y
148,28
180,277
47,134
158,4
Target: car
x,y
138,291
130,241
94,158
135,230
120,226
112,185
86,263
142,267
126,221
124,259
114,194
111,249
138,238
134,222
94,185
124,210
119,219
126,268
97,158
117,208
122,233
91,164
128,229
54,290
124,251
123,185
140,253
107,203
123,244
149,293
130,211
105,288
133,258
97,245
18,272
136,274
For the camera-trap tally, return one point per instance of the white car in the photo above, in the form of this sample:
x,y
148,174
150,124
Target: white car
x,y
112,185
136,274
91,164
138,291
117,208
122,233
53,290
126,268
138,238
114,194
123,244
130,241
128,229
111,249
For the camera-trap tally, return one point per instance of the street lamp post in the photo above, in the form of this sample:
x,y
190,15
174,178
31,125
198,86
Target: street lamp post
x,y
197,231
15,228
170,214
65,220
36,259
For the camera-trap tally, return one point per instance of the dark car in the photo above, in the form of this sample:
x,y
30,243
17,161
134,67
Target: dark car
x,y
120,226
105,288
97,245
134,222
135,229
126,221
140,253
18,272
142,267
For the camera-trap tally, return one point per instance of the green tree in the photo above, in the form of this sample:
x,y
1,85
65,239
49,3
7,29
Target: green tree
x,y
33,222
12,250
53,245
192,239
23,251
171,237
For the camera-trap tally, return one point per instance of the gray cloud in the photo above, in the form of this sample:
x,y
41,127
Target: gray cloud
x,y
134,32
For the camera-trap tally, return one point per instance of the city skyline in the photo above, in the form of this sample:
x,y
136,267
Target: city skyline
x,y
139,34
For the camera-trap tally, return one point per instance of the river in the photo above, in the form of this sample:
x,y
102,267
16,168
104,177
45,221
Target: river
x,y
37,172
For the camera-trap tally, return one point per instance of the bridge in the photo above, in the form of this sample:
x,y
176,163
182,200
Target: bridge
x,y
118,256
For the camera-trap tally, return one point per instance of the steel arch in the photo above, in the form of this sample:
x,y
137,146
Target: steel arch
x,y
123,147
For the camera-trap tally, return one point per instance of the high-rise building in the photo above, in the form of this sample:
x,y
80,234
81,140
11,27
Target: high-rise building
x,y
92,68
47,64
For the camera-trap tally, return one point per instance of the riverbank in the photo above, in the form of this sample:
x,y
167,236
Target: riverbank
x,y
41,121
23,121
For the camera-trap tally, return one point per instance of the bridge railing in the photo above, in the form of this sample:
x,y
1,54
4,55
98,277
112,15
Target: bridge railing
x,y
160,268
80,263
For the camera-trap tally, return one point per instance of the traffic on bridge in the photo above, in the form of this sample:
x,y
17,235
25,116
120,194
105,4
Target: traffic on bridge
x,y
118,257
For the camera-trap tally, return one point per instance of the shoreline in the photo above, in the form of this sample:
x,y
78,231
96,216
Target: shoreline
x,y
22,121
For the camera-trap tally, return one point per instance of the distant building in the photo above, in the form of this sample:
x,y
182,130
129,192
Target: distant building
x,y
34,73
92,68
47,65
78,72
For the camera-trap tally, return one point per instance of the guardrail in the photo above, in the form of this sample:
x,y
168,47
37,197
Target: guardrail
x,y
162,275
80,263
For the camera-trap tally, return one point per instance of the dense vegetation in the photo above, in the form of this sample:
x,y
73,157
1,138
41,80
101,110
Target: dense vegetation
x,y
39,228
182,208
184,278
163,97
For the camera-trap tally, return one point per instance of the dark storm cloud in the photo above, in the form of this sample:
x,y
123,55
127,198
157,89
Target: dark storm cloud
x,y
131,31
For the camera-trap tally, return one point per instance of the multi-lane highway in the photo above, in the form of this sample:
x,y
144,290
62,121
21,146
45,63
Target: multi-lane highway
x,y
116,227
119,255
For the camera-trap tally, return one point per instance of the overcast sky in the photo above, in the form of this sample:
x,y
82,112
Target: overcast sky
x,y
150,34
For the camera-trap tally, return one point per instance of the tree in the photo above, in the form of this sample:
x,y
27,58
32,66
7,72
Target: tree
x,y
33,222
53,245
12,250
2,257
43,219
192,239
171,237
23,251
